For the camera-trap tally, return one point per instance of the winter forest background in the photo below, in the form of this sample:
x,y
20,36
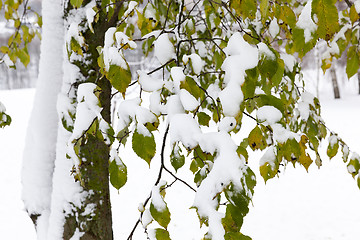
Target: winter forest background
x,y
320,205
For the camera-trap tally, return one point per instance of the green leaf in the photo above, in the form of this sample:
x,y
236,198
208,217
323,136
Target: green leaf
x,y
332,149
242,151
270,100
255,138
267,172
245,8
162,234
203,118
144,146
236,236
190,85
354,16
4,49
264,9
5,119
76,3
327,16
352,64
304,158
238,198
353,166
233,219
248,87
119,78
161,216
118,174
288,16
176,158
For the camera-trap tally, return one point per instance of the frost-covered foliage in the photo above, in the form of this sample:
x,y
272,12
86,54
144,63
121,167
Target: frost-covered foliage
x,y
4,118
215,64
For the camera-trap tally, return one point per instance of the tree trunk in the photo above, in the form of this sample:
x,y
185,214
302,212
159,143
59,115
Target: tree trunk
x,y
334,83
94,152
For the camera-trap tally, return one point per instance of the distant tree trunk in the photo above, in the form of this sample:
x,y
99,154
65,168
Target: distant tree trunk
x,y
335,83
40,147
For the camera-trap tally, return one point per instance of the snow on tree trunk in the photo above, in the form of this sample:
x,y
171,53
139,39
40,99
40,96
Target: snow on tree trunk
x,y
39,152
81,199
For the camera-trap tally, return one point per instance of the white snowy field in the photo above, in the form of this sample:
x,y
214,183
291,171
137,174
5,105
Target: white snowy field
x,y
321,204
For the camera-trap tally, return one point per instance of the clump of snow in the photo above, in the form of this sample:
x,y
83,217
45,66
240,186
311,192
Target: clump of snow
x,y
174,106
289,61
156,198
227,124
231,98
185,129
281,135
123,39
357,6
150,12
264,50
8,61
77,234
87,109
112,55
196,62
73,32
240,57
268,115
163,49
269,157
227,168
303,107
90,14
130,8
148,83
178,76
351,169
305,21
155,103
274,28
188,101
201,47
130,110
2,108
333,139
146,218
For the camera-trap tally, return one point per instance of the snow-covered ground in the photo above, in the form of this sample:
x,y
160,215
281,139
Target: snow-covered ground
x,y
321,204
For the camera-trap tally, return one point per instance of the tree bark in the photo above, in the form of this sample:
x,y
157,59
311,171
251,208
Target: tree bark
x,y
94,152
334,83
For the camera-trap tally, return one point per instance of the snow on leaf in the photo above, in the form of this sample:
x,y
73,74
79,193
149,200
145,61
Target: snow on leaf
x,y
268,115
148,83
117,171
333,146
305,21
162,234
158,208
188,101
164,49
